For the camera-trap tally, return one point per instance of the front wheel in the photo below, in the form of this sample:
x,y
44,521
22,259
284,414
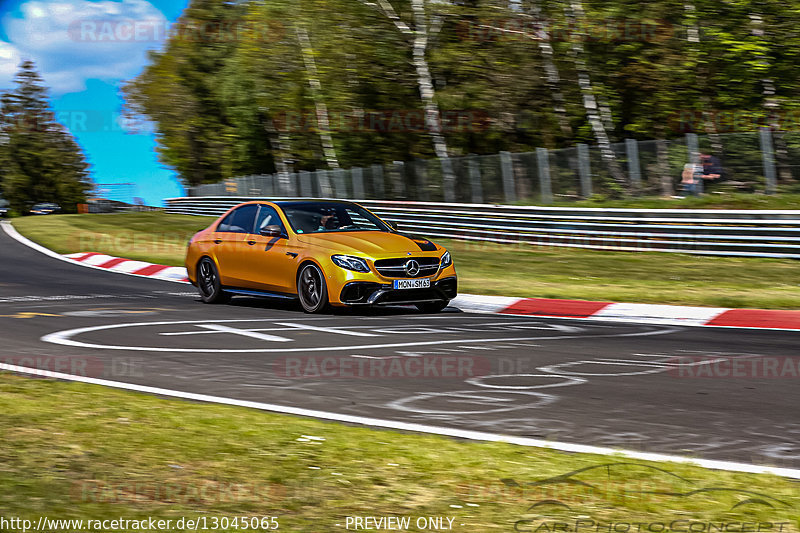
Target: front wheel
x,y
312,289
208,283
432,307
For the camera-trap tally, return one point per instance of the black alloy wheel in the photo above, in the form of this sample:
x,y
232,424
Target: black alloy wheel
x,y
208,283
312,289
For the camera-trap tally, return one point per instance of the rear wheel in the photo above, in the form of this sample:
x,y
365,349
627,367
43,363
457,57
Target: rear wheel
x,y
208,283
312,289
432,307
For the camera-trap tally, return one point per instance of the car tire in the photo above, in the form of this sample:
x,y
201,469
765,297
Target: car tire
x,y
312,291
432,307
208,284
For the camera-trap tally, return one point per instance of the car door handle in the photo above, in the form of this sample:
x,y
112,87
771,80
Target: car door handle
x,y
251,243
291,254
217,241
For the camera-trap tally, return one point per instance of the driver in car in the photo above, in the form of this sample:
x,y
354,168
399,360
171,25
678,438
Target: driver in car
x,y
329,220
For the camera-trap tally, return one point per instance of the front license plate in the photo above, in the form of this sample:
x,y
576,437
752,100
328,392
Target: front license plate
x,y
421,283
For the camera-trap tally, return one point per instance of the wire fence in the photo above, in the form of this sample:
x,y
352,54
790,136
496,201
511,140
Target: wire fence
x,y
755,162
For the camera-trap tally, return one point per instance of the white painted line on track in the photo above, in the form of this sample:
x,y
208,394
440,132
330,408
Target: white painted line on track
x,y
419,428
244,333
65,338
338,330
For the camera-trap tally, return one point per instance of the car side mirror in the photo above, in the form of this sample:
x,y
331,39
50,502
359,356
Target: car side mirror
x,y
272,230
394,225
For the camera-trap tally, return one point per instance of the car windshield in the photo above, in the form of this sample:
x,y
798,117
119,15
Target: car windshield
x,y
326,217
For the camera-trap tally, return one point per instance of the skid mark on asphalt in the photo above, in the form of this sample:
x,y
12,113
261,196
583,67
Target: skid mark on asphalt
x,y
650,364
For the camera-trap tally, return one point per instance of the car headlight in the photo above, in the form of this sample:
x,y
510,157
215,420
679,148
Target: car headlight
x,y
446,260
350,263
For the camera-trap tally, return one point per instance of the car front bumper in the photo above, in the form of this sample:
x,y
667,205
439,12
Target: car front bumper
x,y
357,293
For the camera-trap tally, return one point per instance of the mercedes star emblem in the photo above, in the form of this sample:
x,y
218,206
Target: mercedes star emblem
x,y
412,268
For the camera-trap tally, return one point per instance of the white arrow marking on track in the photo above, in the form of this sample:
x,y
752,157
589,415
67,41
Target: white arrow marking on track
x,y
244,332
327,330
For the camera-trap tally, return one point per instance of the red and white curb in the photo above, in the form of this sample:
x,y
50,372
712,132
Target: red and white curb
x,y
627,312
542,307
128,266
604,311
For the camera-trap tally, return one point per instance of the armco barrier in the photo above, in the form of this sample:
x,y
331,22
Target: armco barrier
x,y
708,232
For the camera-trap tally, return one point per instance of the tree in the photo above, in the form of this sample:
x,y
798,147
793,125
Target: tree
x,y
180,91
358,82
39,159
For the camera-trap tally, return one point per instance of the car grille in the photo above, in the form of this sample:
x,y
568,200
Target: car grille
x,y
411,295
396,268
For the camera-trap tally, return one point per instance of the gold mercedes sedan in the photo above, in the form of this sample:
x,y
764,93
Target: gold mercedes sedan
x,y
321,252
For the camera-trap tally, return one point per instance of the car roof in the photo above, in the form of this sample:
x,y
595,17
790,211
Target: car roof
x,y
310,200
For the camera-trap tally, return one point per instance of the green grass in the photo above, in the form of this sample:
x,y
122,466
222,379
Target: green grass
x,y
149,236
742,201
82,451
484,268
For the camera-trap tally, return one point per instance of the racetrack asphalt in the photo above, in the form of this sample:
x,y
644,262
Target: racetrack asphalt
x,y
712,393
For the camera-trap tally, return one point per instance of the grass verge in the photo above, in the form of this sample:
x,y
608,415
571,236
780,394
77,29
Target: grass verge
x,y
484,268
148,236
725,200
72,450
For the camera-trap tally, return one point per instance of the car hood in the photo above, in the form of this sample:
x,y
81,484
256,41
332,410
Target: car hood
x,y
370,243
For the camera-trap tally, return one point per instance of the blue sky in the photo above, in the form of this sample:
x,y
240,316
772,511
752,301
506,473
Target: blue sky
x,y
85,50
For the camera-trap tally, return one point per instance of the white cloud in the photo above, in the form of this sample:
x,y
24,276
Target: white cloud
x,y
75,40
9,60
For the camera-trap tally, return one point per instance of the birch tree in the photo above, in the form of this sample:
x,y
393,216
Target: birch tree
x,y
551,71
575,15
418,35
693,43
323,121
770,101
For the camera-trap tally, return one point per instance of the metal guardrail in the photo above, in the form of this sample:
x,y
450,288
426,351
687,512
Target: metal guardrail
x,y
704,232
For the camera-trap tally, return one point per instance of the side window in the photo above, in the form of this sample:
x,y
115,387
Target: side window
x,y
243,218
226,223
267,216
359,219
239,221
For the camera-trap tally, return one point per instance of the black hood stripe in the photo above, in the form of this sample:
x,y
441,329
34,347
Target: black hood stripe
x,y
424,244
